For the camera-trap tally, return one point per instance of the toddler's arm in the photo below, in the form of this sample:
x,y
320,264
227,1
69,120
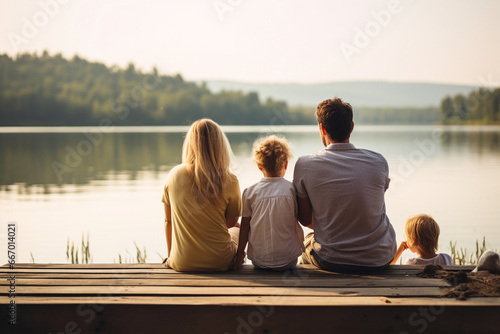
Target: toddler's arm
x,y
402,247
242,242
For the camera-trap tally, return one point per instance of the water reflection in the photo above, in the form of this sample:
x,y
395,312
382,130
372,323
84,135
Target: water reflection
x,y
55,159
473,143
52,160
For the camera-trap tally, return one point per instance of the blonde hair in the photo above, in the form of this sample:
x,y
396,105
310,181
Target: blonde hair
x,y
422,231
207,153
271,153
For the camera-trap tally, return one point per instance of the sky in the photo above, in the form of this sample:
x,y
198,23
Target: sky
x,y
272,41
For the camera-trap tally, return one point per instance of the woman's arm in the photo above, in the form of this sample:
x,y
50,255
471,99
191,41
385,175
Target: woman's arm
x,y
400,251
242,243
168,227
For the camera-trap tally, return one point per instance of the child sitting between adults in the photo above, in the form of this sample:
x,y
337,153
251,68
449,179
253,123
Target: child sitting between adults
x,y
269,218
422,234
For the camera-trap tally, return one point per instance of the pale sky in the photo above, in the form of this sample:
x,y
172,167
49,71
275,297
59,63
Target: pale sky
x,y
308,41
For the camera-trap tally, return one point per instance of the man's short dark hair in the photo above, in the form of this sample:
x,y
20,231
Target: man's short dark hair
x,y
336,117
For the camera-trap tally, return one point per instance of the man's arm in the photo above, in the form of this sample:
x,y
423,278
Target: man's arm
x,y
168,228
305,212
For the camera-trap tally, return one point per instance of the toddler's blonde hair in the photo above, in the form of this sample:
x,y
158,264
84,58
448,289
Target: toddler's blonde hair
x,y
271,152
422,231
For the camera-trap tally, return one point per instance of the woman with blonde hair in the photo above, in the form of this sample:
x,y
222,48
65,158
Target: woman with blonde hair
x,y
202,202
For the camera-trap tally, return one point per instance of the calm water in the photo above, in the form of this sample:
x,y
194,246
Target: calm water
x,y
58,183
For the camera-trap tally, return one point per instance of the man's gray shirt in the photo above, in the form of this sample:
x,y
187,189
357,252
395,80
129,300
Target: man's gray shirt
x,y
346,187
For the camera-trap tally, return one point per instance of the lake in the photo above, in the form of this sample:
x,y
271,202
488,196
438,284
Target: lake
x,y
58,184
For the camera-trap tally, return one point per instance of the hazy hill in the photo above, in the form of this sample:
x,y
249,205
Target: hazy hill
x,y
358,93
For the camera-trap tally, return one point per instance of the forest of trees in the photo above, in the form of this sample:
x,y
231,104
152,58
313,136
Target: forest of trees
x,y
51,90
481,106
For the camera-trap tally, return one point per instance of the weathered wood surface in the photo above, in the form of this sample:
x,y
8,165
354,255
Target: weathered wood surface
x,y
147,298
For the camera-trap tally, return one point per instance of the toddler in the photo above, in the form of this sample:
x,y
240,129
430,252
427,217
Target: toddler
x,y
269,218
422,234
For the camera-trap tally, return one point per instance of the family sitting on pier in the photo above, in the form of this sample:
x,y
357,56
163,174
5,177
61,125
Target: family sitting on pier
x,y
338,192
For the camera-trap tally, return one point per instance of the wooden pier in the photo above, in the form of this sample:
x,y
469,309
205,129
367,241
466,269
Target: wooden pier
x,y
148,298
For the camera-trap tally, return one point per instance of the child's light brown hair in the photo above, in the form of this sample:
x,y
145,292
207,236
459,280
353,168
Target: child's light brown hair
x,y
271,153
423,232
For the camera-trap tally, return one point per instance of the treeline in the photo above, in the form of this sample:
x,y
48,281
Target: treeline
x,y
52,90
394,115
481,106
386,115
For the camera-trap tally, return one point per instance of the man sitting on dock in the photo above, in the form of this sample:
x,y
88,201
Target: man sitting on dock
x,y
340,193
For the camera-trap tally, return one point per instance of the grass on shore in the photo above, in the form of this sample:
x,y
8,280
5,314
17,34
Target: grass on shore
x,y
83,251
462,257
80,254
140,256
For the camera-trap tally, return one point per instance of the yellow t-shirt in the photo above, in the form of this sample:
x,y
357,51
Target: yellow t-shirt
x,y
200,238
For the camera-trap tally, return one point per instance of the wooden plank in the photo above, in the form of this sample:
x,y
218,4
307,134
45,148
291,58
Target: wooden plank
x,y
253,273
294,278
194,275
203,274
256,300
291,279
246,270
246,267
396,282
227,291
171,272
